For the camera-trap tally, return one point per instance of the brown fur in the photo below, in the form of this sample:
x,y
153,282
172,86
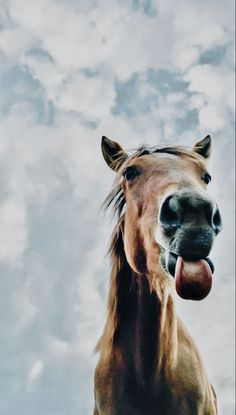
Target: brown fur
x,y
148,365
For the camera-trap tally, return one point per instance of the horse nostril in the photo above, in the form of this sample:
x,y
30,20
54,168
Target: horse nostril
x,y
169,217
216,221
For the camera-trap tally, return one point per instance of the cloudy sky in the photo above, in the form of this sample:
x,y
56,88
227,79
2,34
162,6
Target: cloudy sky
x,y
138,71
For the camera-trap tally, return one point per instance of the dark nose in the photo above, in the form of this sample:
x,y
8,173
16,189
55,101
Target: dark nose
x,y
192,208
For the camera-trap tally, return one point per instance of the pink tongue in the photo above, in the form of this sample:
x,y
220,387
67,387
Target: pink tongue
x,y
193,279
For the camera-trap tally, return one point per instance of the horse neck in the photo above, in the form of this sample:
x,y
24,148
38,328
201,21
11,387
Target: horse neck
x,y
141,320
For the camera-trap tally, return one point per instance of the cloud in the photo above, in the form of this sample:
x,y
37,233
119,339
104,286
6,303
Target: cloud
x,y
214,82
13,238
35,371
81,91
211,118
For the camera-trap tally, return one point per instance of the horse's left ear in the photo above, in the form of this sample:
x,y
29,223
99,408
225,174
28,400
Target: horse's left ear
x,y
203,147
113,153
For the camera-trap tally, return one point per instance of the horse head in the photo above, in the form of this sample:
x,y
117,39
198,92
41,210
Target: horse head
x,y
169,220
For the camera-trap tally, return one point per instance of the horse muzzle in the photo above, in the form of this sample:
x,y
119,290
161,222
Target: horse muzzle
x,y
189,222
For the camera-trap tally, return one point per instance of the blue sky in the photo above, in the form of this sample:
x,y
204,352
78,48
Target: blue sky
x,y
71,71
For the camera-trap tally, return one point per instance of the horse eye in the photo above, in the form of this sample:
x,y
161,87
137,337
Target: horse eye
x,y
130,173
206,178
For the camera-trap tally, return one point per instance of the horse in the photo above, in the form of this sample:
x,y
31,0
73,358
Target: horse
x,y
166,225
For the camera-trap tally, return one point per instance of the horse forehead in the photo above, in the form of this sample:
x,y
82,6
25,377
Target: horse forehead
x,y
167,156
166,162
155,157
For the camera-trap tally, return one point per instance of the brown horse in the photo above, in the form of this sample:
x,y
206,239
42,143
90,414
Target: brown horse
x,y
149,365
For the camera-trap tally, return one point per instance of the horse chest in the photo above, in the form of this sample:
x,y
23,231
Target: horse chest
x,y
125,395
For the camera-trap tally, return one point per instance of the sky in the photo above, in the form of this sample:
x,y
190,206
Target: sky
x,y
140,71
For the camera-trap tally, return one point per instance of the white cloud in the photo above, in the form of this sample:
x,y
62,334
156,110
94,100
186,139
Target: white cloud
x,y
13,230
57,347
215,94
14,41
197,27
46,72
92,97
206,79
35,371
187,56
211,118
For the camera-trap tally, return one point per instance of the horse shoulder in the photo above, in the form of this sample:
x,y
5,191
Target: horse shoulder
x,y
190,374
109,380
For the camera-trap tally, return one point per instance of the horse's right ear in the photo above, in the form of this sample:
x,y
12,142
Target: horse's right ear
x,y
203,147
113,153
